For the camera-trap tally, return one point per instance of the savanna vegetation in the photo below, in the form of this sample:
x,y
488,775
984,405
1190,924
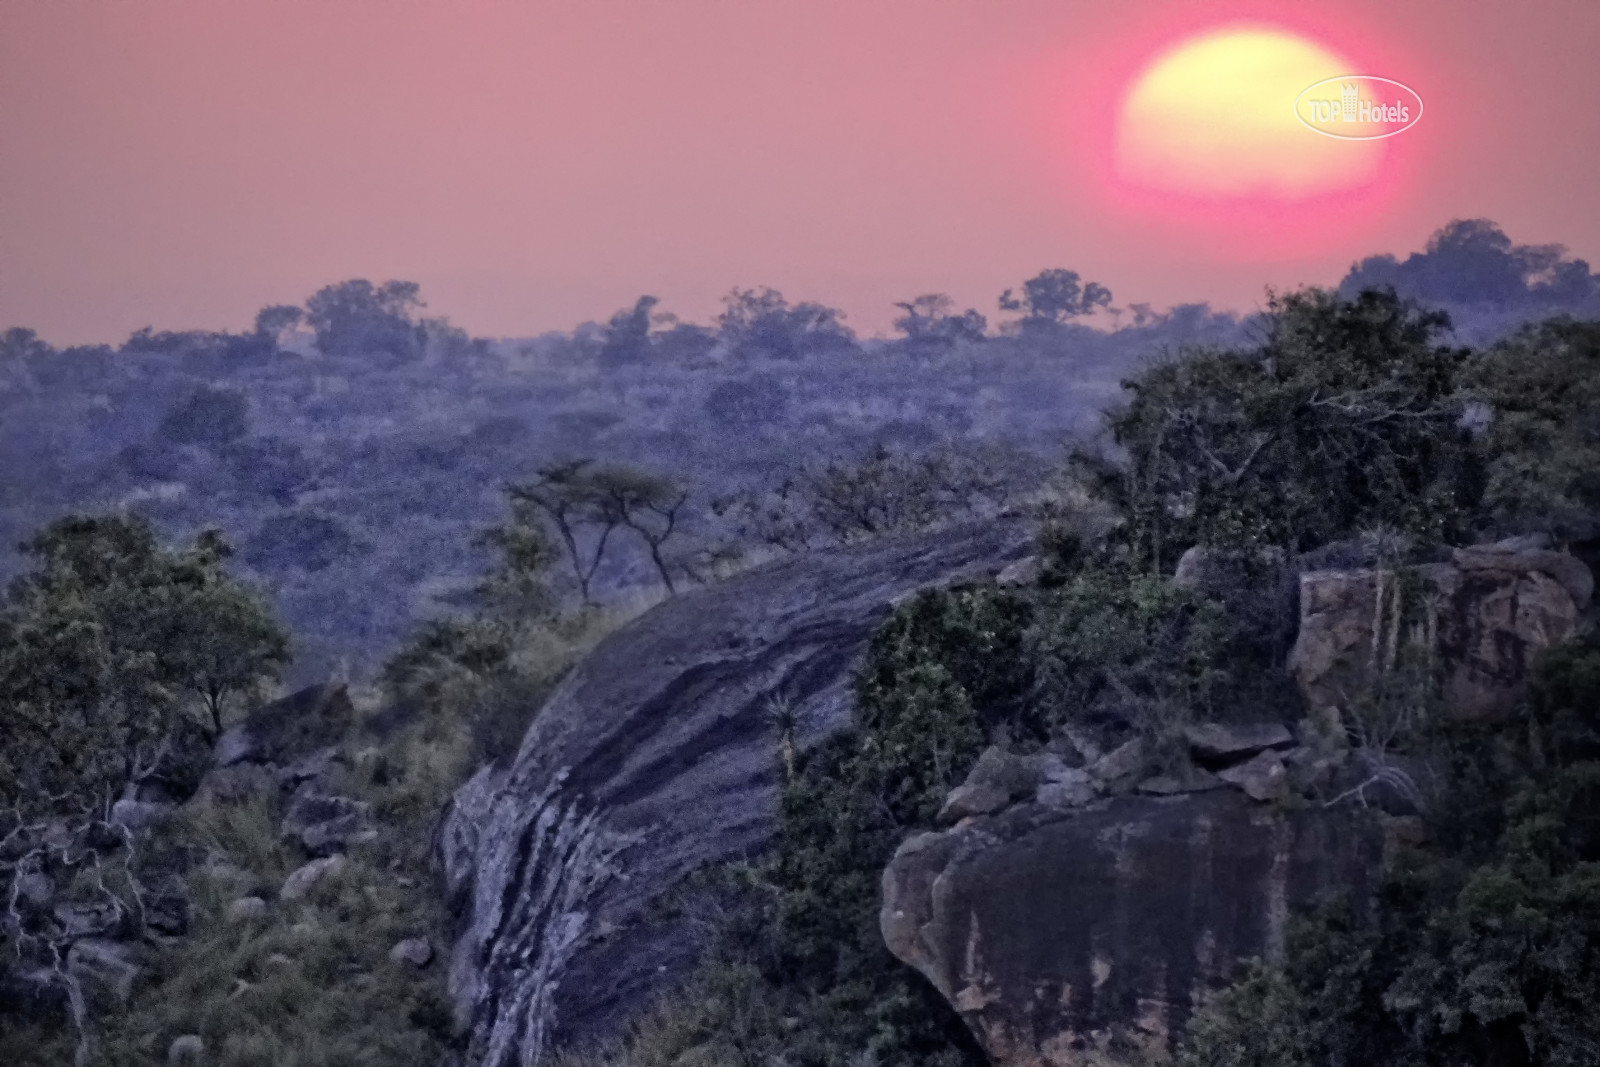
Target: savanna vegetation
x,y
454,520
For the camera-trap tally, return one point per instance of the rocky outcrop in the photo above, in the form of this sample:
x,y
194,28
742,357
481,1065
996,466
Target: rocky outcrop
x,y
1483,617
657,750
289,729
1083,937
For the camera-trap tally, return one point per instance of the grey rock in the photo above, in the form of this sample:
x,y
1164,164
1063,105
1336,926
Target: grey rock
x,y
1122,762
186,1051
1023,572
414,951
286,730
247,909
652,759
324,823
1227,743
34,890
86,919
965,801
1014,775
1262,778
138,814
304,879
1068,789
106,970
1087,937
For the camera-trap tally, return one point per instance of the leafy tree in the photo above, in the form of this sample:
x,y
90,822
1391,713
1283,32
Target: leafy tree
x,y
761,322
271,321
1472,261
356,319
99,647
20,349
626,339
1541,389
1054,298
1347,415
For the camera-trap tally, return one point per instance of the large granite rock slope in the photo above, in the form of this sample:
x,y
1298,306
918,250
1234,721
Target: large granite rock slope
x,y
653,758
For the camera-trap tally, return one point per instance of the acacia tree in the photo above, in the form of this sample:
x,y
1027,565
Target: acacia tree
x,y
587,502
931,322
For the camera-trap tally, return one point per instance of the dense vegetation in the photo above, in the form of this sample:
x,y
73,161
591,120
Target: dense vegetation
x,y
390,477
1348,423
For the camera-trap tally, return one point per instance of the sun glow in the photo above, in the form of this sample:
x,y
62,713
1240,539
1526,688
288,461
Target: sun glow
x,y
1212,119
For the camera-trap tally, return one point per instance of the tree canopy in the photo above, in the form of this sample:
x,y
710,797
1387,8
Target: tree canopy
x,y
110,647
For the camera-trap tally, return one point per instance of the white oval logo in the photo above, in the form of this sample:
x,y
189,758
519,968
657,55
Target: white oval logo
x,y
1358,107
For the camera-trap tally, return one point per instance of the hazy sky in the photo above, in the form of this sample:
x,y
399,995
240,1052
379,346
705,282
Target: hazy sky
x,y
535,164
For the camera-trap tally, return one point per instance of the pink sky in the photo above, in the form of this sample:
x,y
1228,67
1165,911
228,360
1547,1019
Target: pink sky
x,y
537,164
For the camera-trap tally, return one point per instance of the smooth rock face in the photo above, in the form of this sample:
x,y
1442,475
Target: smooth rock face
x,y
1082,938
1489,613
654,757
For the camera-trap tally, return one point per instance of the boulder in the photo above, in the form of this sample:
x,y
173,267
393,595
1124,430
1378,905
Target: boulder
x,y
285,730
1262,778
303,880
325,824
1485,624
187,1050
1068,788
1084,938
653,758
413,951
138,814
247,910
1217,743
33,890
966,801
1026,571
87,919
1122,762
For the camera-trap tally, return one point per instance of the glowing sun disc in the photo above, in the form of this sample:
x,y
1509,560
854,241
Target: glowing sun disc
x,y
1213,117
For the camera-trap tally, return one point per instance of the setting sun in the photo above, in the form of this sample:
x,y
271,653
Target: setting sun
x,y
1213,118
